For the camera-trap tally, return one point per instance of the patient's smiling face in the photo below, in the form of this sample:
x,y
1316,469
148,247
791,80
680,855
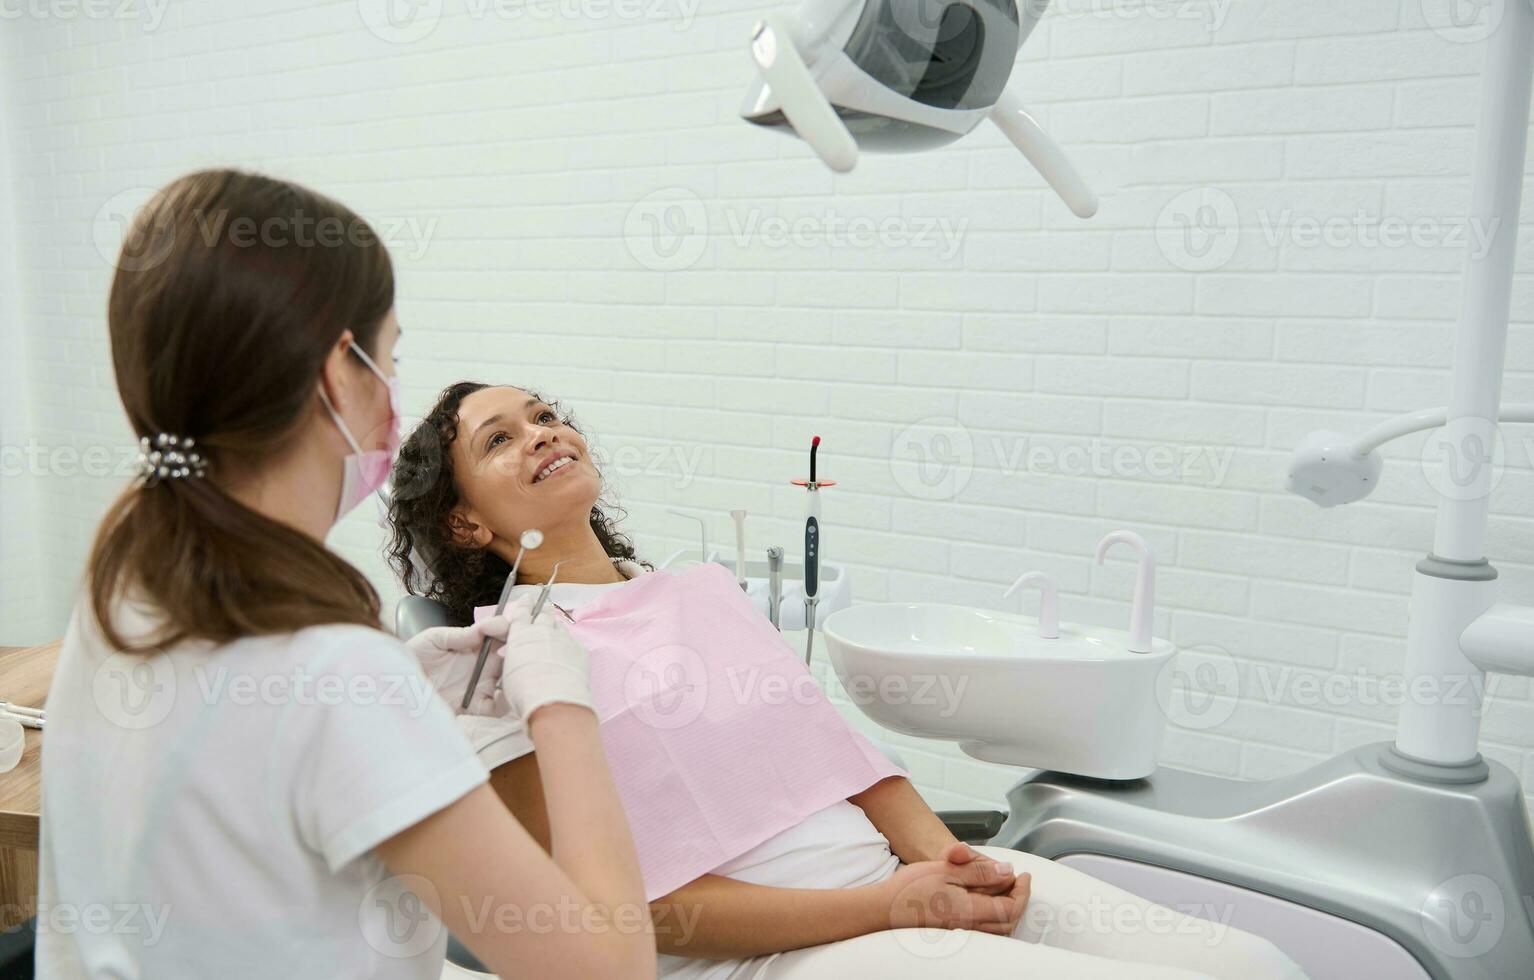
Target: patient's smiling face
x,y
518,466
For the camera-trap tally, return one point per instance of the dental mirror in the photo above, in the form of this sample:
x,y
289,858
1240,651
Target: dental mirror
x,y
529,541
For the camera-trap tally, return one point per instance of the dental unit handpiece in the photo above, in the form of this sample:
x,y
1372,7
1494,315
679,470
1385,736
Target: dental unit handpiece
x,y
543,594
740,547
775,587
529,541
812,548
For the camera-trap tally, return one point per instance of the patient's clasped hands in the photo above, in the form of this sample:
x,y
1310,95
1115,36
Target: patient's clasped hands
x,y
962,890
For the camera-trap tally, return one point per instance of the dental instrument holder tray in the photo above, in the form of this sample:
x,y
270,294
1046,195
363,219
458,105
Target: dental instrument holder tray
x,y
835,587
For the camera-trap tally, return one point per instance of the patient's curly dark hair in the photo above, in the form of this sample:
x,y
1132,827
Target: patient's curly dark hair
x,y
424,495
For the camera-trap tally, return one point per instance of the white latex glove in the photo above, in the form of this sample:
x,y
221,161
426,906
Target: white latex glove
x,y
447,655
497,739
543,662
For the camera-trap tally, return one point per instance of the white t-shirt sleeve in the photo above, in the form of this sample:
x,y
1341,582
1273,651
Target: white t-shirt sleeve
x,y
373,749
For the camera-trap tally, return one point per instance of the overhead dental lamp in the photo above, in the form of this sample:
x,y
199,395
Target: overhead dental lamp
x,y
899,76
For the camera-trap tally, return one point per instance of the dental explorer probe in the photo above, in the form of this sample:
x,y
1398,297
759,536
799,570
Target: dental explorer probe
x,y
529,541
543,594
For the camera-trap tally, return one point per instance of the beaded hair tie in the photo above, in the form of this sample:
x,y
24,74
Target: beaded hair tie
x,y
169,457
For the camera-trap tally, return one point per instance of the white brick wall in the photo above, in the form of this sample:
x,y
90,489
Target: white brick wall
x,y
526,148
22,588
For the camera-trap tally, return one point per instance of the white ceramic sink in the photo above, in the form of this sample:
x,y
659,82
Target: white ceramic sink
x,y
1082,703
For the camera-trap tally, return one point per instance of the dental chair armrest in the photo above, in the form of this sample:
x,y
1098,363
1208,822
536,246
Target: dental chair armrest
x,y
416,614
973,826
459,955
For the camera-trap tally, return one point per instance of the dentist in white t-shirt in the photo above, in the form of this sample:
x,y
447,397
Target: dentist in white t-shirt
x,y
243,775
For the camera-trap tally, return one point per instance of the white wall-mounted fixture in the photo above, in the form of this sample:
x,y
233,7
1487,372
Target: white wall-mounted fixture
x,y
703,553
1083,703
900,76
1330,468
1141,613
1049,614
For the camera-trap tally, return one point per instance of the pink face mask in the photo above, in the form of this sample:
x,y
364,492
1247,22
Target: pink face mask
x,y
365,471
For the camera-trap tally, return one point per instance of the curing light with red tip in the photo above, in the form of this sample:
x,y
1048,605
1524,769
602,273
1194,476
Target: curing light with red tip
x,y
812,548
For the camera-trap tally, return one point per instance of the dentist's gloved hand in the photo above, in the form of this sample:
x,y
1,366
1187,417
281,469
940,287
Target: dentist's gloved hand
x,y
543,662
447,655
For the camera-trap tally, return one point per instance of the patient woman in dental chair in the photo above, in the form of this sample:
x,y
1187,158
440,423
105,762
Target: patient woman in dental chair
x,y
871,885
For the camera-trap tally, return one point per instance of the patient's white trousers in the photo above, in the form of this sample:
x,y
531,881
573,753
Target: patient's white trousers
x,y
1076,928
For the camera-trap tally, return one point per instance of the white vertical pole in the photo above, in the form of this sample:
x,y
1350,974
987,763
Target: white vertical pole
x,y
1496,191
1440,720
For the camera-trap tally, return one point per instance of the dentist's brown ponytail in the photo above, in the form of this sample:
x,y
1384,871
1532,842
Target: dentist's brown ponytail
x,y
231,290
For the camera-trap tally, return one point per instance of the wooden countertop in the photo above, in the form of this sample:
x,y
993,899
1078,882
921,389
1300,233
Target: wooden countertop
x,y
25,673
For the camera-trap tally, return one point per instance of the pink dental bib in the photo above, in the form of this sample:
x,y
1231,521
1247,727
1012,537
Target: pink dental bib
x,y
717,735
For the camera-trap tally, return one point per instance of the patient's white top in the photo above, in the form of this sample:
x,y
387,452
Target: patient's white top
x,y
210,812
837,847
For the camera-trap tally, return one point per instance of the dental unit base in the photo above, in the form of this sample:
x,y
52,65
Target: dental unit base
x,y
1370,864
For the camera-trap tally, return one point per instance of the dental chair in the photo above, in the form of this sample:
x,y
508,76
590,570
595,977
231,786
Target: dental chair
x,y
416,613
